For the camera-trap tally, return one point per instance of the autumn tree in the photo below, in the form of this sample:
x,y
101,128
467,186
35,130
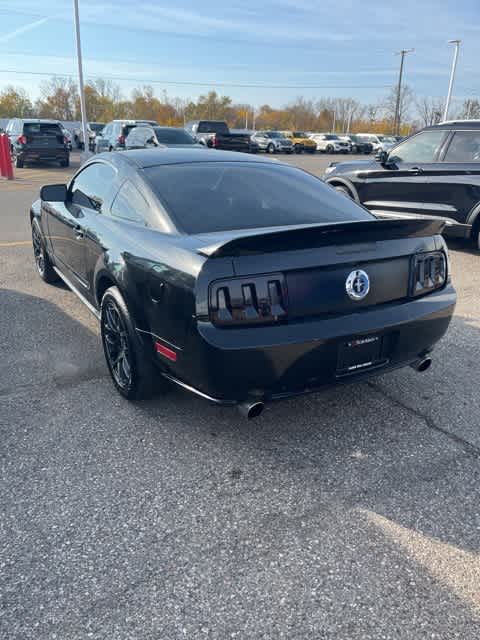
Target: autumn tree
x,y
389,103
15,103
58,99
209,107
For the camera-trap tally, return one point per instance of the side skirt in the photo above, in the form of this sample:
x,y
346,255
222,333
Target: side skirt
x,y
79,295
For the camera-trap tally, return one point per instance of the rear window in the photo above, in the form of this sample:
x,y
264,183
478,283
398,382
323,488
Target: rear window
x,y
173,136
221,196
127,128
212,127
36,128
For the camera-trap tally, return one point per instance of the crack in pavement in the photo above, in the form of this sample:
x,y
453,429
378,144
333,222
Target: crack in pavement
x,y
469,447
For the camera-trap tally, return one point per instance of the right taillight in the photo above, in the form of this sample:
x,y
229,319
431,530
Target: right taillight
x,y
121,139
22,139
250,300
429,272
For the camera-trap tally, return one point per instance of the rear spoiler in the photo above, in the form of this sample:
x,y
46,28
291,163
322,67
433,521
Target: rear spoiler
x,y
308,236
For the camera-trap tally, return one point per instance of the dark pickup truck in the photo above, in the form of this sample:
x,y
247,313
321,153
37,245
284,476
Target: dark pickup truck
x,y
216,134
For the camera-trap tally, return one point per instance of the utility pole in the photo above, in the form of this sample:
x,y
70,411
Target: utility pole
x,y
396,121
83,110
452,76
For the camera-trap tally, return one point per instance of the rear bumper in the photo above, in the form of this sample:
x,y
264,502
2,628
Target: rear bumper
x,y
229,365
47,155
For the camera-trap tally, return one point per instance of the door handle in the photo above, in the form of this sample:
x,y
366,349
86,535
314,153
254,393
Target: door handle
x,y
415,170
78,232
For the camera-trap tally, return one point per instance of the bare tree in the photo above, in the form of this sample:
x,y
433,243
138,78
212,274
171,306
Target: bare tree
x,y
430,110
407,99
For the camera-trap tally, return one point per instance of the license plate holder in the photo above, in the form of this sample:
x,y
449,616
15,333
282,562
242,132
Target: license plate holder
x,y
357,354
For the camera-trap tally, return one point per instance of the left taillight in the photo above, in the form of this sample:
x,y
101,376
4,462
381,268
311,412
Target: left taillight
x,y
429,272
65,140
22,139
121,139
248,301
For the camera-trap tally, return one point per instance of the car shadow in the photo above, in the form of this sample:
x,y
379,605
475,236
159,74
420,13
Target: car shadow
x,y
359,495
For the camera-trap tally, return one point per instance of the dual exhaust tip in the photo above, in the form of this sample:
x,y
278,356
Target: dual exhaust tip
x,y
253,408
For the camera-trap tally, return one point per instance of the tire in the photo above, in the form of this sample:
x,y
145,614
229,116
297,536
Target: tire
x,y
133,374
289,152
344,190
475,237
270,148
329,148
354,149
18,162
298,148
313,150
65,163
42,261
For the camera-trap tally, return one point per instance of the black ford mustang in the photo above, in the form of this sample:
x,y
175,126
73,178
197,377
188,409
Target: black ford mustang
x,y
240,278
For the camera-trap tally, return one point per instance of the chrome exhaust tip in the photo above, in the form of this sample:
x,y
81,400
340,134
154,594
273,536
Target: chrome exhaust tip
x,y
251,409
422,365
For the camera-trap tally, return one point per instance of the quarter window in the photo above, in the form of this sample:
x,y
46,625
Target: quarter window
x,y
129,204
423,147
465,147
92,187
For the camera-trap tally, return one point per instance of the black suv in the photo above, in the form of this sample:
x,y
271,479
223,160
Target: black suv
x,y
35,140
433,173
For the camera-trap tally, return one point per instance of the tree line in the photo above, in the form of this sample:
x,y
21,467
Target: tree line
x,y
59,99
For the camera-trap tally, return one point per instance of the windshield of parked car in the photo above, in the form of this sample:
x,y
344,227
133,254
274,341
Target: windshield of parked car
x,y
210,126
166,135
300,134
96,126
43,128
221,196
331,136
275,134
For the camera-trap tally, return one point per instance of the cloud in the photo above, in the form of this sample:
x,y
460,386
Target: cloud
x,y
26,27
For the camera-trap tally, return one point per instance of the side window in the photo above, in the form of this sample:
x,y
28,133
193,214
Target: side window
x,y
465,147
8,128
420,148
92,187
129,204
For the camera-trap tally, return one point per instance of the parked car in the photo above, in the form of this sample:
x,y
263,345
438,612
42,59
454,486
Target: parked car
x,y
215,134
374,139
37,140
68,135
434,173
301,141
113,135
330,143
356,144
146,137
92,129
240,279
272,142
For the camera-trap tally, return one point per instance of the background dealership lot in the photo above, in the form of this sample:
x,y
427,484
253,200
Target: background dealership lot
x,y
353,513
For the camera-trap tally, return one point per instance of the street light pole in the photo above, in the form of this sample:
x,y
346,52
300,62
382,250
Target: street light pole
x,y
80,79
452,76
396,121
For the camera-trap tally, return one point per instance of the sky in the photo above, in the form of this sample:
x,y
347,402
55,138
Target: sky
x,y
256,51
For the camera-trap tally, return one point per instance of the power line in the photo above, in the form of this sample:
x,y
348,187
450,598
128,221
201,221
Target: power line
x,y
201,84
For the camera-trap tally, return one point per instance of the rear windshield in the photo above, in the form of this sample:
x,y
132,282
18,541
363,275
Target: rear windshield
x,y
173,136
96,126
127,128
36,128
221,196
212,127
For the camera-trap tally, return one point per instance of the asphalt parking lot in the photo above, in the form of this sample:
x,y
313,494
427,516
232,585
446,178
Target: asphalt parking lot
x,y
350,514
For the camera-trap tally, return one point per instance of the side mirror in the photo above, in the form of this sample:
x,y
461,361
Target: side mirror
x,y
381,156
54,193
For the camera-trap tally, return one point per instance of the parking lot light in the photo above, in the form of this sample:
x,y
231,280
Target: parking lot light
x,y
452,76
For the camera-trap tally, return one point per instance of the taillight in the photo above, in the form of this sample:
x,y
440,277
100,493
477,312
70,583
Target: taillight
x,y
250,300
22,139
65,140
216,142
121,139
429,272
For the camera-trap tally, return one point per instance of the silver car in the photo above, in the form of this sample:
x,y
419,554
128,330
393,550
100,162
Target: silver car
x,y
272,142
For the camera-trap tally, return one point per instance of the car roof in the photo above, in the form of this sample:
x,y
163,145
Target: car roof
x,y
456,124
143,158
40,120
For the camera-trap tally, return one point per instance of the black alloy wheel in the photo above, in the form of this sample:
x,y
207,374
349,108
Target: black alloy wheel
x,y
42,261
130,365
271,148
116,344
298,148
329,148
